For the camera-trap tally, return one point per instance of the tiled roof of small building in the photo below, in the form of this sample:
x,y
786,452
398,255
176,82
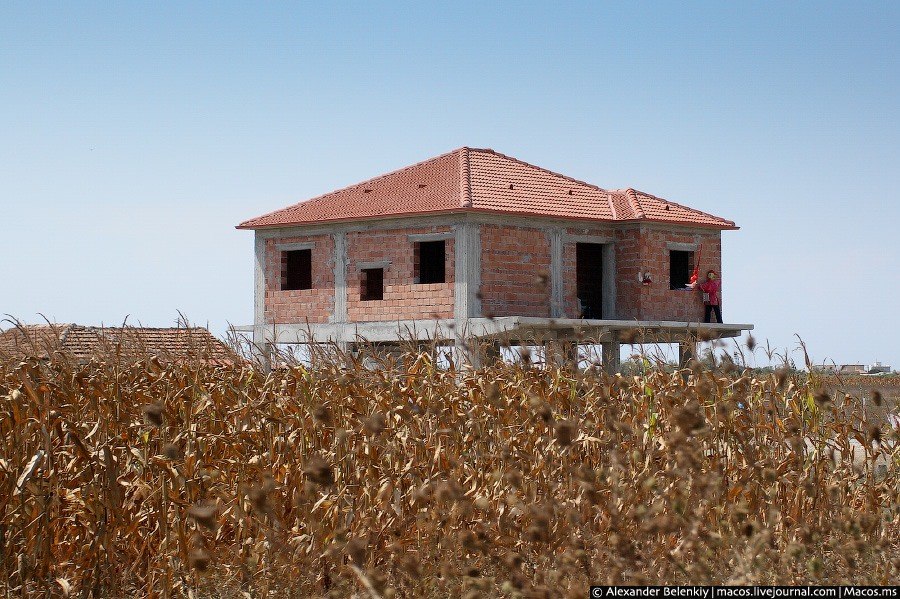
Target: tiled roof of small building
x,y
82,343
470,179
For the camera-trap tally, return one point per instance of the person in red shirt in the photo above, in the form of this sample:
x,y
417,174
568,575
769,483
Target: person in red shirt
x,y
711,296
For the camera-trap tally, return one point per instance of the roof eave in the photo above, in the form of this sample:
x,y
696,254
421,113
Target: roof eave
x,y
722,226
306,223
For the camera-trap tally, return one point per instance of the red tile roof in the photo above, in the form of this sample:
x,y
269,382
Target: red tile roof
x,y
476,180
83,343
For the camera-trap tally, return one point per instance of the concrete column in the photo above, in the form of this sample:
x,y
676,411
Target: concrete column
x,y
340,277
562,353
467,277
609,282
687,351
610,351
340,288
261,346
557,293
490,349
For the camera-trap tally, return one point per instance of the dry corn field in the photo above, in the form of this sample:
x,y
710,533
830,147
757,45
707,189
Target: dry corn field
x,y
141,478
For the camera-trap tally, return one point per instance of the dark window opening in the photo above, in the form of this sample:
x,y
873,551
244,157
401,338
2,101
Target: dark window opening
x,y
430,260
681,267
296,270
589,279
372,284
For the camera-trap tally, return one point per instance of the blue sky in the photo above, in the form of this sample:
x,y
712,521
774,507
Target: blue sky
x,y
134,136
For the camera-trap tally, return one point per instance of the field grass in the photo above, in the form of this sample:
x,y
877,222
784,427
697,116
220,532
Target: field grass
x,y
140,478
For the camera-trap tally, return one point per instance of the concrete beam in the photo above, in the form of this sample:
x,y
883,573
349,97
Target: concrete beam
x,y
599,239
426,237
385,264
515,329
597,331
291,247
375,332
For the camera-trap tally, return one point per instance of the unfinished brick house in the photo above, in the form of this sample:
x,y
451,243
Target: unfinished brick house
x,y
474,243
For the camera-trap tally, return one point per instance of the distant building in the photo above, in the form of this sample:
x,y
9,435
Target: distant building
x,y
82,343
876,368
852,369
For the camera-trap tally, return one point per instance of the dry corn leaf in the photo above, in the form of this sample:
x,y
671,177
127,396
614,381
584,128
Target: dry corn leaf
x,y
32,465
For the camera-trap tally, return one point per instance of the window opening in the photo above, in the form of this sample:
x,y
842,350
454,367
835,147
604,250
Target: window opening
x,y
372,284
681,265
296,270
430,258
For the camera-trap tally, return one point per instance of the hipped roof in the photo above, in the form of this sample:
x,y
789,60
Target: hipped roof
x,y
482,180
86,342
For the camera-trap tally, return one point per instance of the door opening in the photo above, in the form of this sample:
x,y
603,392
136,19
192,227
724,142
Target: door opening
x,y
589,279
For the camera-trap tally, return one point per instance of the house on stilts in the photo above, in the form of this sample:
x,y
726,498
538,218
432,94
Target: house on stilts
x,y
474,245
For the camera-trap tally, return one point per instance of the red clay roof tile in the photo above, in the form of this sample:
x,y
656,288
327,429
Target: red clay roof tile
x,y
470,179
83,342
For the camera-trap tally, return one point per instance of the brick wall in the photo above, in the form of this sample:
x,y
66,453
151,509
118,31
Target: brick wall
x,y
646,249
629,262
658,302
515,269
515,266
300,306
403,297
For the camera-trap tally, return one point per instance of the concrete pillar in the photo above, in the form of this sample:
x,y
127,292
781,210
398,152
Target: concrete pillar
x,y
473,353
261,346
340,290
610,311
562,353
687,351
490,351
557,290
340,277
610,351
467,281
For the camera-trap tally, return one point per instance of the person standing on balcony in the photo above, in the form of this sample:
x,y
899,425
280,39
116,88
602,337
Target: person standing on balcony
x,y
712,296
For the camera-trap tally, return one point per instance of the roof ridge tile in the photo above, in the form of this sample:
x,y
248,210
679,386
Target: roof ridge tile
x,y
465,178
683,207
635,203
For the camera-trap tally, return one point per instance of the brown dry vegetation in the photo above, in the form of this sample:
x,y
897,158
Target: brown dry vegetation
x,y
201,480
877,396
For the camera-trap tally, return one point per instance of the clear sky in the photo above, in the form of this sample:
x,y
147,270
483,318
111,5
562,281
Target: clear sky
x,y
135,136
